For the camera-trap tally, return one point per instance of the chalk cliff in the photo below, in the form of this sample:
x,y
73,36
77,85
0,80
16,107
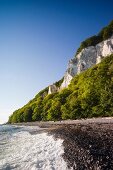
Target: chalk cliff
x,y
78,101
86,58
52,89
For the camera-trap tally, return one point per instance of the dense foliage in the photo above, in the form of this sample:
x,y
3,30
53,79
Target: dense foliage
x,y
90,94
104,34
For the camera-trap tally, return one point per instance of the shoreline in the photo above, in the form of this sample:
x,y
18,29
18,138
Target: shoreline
x,y
87,147
47,124
88,143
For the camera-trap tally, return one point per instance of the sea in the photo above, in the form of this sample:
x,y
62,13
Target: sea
x,y
27,148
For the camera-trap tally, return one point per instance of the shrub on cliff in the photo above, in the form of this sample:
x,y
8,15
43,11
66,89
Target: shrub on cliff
x,y
104,34
90,94
27,115
94,89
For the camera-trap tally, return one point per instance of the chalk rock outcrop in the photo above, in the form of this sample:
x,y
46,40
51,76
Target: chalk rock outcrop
x,y
52,89
86,58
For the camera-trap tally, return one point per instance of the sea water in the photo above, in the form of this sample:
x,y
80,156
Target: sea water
x,y
22,149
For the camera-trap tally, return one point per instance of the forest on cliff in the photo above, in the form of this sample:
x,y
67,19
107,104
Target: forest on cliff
x,y
90,94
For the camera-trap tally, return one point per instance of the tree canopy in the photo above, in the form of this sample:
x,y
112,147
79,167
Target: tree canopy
x,y
90,94
104,34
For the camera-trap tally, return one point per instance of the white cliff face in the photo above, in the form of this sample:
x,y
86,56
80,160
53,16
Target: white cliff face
x,y
86,58
66,81
103,49
52,89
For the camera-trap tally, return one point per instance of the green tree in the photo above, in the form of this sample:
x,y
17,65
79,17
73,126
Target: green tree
x,y
65,110
107,33
19,116
14,118
54,113
27,115
37,114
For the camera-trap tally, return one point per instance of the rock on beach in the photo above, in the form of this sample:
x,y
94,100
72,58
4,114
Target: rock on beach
x,y
87,146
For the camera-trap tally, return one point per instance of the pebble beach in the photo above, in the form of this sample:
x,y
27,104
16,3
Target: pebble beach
x,y
88,144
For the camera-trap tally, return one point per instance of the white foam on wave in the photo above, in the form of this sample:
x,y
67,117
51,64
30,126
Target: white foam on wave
x,y
33,152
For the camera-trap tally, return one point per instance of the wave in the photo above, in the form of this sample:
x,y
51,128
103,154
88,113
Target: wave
x,y
25,151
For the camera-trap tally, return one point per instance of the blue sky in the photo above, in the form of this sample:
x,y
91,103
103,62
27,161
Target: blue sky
x,y
37,38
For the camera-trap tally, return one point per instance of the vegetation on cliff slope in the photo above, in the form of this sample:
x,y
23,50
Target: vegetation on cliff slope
x,y
90,94
104,34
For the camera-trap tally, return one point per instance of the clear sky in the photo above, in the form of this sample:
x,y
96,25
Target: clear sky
x,y
37,38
